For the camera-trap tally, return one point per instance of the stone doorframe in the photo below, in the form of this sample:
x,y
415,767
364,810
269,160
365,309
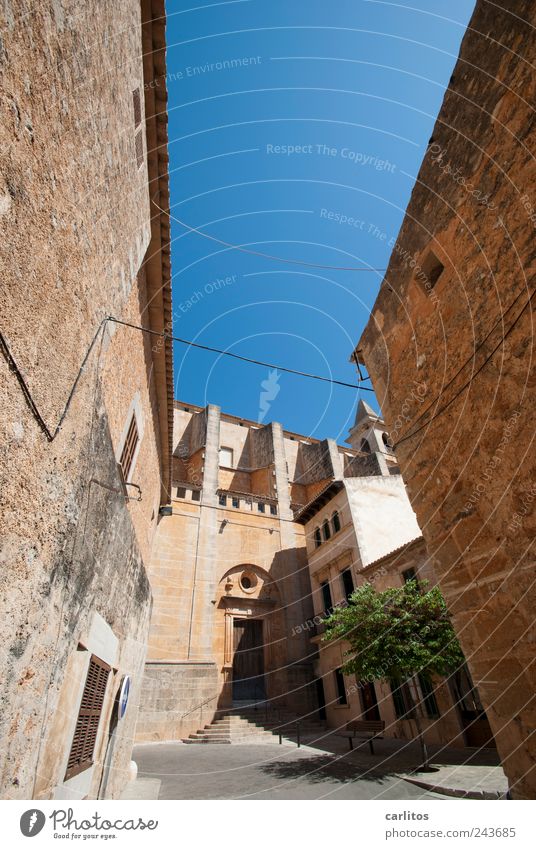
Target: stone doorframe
x,y
246,608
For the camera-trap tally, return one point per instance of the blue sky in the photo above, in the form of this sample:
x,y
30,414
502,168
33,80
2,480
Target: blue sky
x,y
296,129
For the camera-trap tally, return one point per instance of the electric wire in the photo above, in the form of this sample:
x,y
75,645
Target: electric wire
x,y
467,361
468,382
265,255
191,344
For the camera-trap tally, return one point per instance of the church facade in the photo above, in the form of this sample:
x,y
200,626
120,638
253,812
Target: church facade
x,y
267,531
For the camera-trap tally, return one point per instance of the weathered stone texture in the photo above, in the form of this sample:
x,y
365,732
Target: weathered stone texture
x,y
465,452
201,551
76,226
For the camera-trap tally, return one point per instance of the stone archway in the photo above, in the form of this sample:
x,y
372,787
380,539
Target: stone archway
x,y
249,635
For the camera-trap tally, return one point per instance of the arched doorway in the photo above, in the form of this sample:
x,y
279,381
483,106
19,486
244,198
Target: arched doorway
x,y
249,636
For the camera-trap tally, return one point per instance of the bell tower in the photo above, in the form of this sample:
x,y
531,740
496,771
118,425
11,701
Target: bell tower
x,y
368,433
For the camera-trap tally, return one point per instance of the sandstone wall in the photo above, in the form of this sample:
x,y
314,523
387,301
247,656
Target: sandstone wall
x,y
461,342
76,227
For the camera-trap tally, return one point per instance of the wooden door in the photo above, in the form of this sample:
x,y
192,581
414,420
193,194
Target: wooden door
x,y
248,660
369,703
475,724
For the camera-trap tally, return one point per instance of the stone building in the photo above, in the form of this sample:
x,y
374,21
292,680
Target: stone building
x,y
87,404
449,349
362,528
229,576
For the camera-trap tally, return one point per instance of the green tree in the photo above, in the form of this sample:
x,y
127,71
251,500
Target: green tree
x,y
396,634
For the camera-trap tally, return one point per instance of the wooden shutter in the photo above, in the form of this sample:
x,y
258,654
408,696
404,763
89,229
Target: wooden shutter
x,y
136,101
138,138
87,724
129,448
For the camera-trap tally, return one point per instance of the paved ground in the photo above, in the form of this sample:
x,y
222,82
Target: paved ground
x,y
262,772
317,770
473,782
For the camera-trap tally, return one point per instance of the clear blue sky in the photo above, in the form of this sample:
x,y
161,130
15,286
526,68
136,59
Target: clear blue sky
x,y
354,87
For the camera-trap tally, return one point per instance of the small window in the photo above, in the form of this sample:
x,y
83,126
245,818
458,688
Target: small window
x,y
402,700
222,500
196,495
236,502
326,598
430,271
387,441
226,457
336,522
273,509
365,446
340,688
326,530
181,492
261,507
347,583
89,713
409,575
428,696
129,448
318,538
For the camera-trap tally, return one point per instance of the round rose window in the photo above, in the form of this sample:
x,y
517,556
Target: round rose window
x,y
248,581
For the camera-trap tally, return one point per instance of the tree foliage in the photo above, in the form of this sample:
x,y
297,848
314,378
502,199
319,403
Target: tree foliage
x,y
395,633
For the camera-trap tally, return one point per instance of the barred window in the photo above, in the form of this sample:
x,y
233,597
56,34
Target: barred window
x,y
87,724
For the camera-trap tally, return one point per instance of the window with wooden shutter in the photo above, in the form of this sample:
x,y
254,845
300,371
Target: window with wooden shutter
x,y
138,138
87,724
129,448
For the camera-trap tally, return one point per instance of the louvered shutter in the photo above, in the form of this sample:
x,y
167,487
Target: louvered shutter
x,y
87,724
129,448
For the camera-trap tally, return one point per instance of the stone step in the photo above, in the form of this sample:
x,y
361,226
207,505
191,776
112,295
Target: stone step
x,y
248,726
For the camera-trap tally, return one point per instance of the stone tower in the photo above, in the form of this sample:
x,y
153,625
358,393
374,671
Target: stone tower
x,y
368,432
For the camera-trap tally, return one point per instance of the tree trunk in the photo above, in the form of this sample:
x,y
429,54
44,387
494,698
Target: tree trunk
x,y
417,705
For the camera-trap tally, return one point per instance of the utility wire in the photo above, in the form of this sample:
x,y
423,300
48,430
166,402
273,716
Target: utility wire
x,y
13,367
238,356
52,434
265,255
468,360
468,382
